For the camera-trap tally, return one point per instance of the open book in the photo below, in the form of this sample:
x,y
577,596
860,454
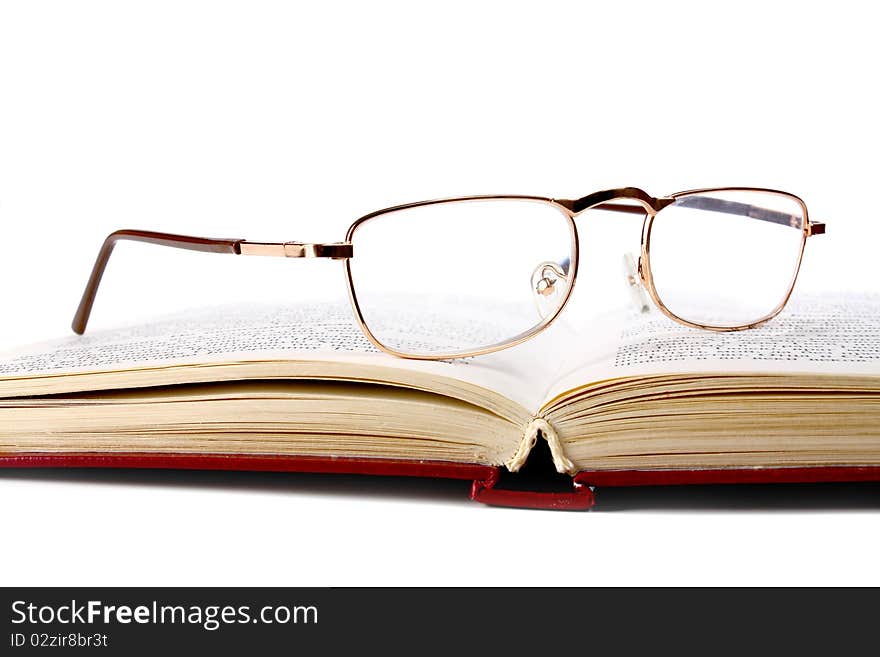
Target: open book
x,y
636,398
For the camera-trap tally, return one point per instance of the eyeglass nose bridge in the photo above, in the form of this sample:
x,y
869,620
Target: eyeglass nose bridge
x,y
604,200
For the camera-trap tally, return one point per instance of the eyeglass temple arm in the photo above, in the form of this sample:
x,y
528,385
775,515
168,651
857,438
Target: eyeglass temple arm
x,y
234,246
727,207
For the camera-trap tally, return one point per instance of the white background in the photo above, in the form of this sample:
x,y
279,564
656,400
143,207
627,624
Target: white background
x,y
274,121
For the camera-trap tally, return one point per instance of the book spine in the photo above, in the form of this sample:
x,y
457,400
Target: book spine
x,y
580,498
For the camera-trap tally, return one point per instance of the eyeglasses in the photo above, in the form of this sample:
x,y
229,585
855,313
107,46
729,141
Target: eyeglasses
x,y
466,276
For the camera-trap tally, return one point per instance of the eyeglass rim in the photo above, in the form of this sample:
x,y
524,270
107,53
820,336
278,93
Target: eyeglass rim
x,y
505,344
647,276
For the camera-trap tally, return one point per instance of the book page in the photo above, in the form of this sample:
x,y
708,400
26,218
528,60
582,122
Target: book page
x,y
825,334
324,333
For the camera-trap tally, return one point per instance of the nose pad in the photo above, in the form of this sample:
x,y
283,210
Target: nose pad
x,y
549,287
634,284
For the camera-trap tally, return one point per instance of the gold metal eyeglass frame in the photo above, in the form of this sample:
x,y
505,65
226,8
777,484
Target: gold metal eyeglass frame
x,y
629,200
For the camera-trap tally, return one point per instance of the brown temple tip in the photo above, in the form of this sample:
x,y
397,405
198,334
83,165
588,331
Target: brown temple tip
x,y
81,318
187,242
817,229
